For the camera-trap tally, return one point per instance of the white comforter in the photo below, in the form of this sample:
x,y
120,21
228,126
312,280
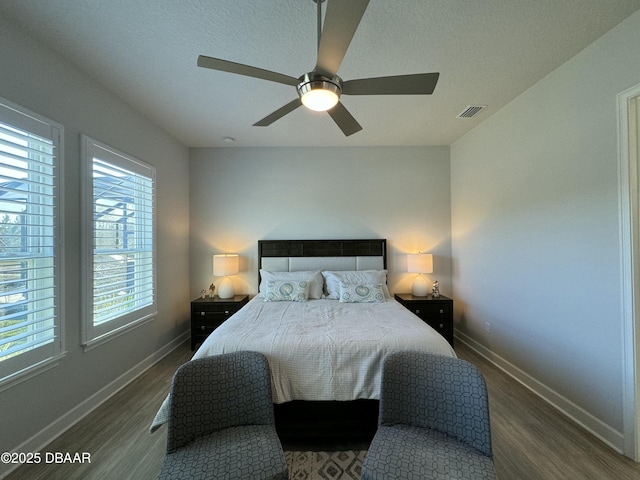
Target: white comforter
x,y
322,349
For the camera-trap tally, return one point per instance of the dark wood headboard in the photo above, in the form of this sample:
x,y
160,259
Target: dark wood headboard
x,y
322,248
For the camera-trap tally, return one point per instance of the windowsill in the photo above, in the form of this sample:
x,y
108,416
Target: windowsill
x,y
107,337
30,372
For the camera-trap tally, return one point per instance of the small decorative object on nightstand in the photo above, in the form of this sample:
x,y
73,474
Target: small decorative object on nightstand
x,y
435,291
436,312
207,314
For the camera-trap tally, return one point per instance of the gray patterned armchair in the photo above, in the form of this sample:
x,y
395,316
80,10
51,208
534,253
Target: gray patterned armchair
x,y
433,423
221,421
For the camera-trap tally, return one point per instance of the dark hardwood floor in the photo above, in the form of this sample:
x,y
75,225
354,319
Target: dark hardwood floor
x,y
116,434
531,440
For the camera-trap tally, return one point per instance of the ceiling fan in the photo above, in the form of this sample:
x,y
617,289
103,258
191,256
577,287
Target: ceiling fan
x,y
321,88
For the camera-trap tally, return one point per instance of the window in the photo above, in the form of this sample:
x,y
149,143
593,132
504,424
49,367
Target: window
x,y
119,253
31,337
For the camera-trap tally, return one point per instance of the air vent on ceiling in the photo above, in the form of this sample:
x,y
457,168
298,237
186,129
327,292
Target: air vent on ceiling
x,y
471,111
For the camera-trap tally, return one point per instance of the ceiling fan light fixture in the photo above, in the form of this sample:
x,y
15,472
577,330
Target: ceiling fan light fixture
x,y
319,99
319,93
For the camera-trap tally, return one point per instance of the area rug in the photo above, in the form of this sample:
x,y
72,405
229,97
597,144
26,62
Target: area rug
x,y
325,465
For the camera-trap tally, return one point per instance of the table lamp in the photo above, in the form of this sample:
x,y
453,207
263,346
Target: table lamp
x,y
224,265
420,263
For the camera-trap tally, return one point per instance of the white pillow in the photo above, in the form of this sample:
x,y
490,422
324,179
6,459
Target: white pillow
x,y
361,293
314,278
333,280
287,291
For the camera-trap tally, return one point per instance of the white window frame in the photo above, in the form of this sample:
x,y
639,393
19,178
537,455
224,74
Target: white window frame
x,y
96,329
44,252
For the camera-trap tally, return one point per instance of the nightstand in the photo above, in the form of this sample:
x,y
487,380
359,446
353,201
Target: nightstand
x,y
207,314
436,312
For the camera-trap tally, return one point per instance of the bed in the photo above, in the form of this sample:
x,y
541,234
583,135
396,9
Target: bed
x,y
325,320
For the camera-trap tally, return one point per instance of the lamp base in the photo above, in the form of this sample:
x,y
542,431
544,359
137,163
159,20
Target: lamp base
x,y
225,288
419,287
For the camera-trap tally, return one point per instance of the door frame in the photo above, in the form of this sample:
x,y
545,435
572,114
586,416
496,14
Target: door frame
x,y
628,167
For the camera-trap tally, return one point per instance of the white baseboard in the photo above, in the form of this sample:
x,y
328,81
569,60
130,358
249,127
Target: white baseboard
x,y
584,419
40,440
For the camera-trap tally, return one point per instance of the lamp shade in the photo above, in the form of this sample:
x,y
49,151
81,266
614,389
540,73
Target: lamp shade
x,y
420,263
225,264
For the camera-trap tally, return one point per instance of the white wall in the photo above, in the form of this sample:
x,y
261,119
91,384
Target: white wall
x,y
33,77
535,233
242,195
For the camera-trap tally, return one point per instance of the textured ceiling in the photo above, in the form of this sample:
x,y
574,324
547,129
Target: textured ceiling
x,y
487,52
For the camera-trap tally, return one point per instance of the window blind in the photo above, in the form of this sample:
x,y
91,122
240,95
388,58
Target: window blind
x,y
29,320
123,239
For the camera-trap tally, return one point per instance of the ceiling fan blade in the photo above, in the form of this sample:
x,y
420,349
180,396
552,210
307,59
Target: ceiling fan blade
x,y
240,69
344,119
416,84
278,114
340,23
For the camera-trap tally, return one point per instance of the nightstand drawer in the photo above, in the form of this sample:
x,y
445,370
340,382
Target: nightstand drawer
x,y
444,327
206,324
213,310
427,310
